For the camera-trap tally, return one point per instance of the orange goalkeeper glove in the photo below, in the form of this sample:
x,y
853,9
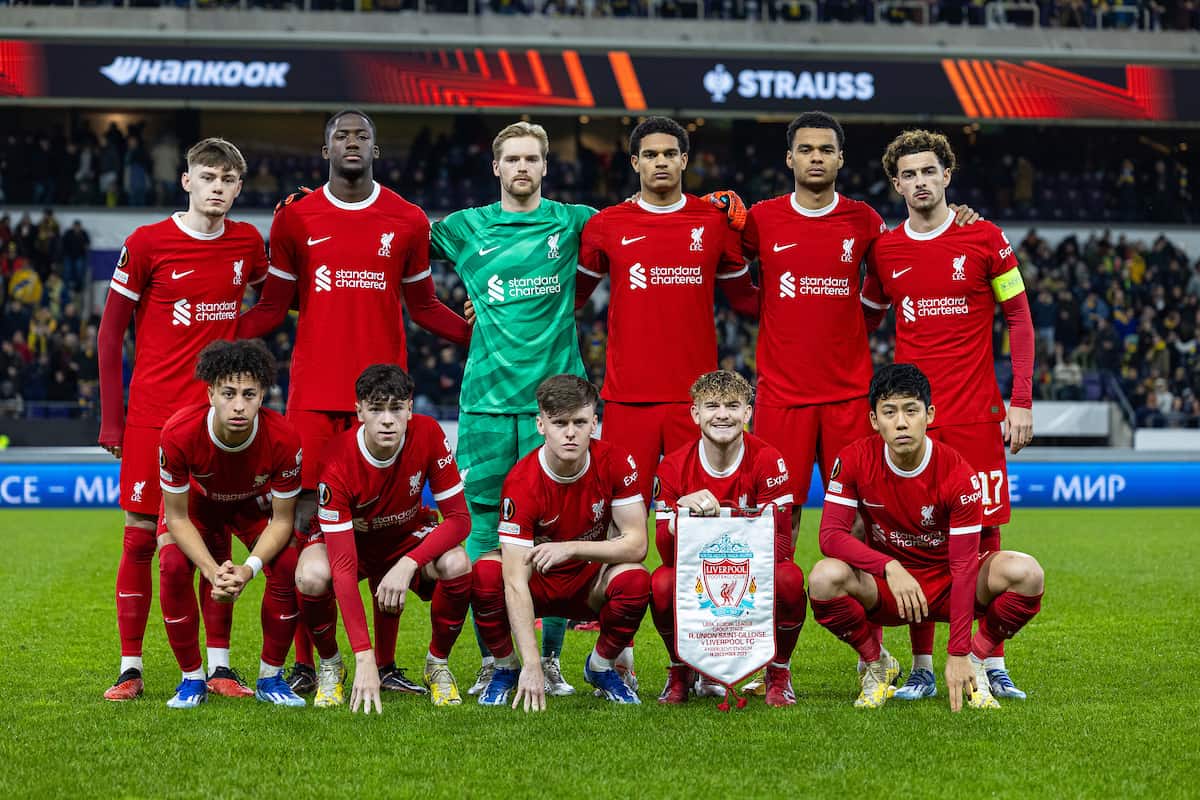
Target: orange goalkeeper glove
x,y
731,204
293,197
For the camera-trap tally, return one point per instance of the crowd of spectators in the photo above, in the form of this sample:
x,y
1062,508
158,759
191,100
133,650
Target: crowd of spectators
x,y
1118,14
1108,176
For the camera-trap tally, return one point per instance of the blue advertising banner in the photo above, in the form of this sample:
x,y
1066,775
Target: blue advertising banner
x,y
1032,485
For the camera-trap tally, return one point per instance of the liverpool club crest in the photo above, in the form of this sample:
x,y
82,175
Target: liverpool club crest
x,y
725,585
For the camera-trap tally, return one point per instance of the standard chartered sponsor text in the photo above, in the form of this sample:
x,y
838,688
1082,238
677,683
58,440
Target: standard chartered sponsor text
x,y
215,312
360,279
535,286
942,306
823,285
668,276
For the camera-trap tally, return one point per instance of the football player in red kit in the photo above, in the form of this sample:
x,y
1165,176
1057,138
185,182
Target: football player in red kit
x,y
373,526
946,281
354,254
558,555
732,469
181,281
921,504
665,254
229,468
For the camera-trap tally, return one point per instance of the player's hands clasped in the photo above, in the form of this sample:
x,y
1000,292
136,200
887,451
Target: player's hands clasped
x,y
228,582
531,687
1018,428
393,589
703,503
960,680
365,691
910,599
548,555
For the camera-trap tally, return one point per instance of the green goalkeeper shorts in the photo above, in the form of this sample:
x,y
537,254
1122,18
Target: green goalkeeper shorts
x,y
488,447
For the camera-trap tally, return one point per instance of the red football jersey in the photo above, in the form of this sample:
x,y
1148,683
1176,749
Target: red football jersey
x,y
385,495
664,264
539,506
266,465
758,476
912,517
188,287
812,343
941,283
349,261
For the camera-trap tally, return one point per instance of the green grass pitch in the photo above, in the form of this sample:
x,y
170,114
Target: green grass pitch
x,y
1108,665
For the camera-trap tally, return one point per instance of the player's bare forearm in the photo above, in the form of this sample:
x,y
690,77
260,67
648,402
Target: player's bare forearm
x,y
519,602
185,535
278,532
627,547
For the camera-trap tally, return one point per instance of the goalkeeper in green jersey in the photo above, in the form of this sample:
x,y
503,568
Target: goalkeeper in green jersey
x,y
517,259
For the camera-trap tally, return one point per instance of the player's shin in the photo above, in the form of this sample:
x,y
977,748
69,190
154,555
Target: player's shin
x,y
387,630
320,617
487,604
135,589
662,608
554,631
181,613
846,619
447,613
791,607
280,612
1006,614
625,602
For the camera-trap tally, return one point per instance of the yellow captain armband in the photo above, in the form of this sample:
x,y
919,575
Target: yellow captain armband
x,y
1008,285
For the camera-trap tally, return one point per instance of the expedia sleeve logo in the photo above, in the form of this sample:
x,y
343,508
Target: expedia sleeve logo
x,y
507,509
323,494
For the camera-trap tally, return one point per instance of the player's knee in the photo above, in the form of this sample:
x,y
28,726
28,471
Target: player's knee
x,y
662,583
145,522
1026,574
487,582
828,579
313,578
173,565
454,563
633,581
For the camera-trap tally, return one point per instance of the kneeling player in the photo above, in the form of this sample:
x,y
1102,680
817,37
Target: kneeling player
x,y
920,503
556,557
731,468
372,526
229,468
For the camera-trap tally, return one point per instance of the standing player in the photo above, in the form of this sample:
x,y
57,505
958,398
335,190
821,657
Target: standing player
x,y
517,259
732,469
371,520
184,277
557,556
356,253
946,281
665,254
920,501
229,468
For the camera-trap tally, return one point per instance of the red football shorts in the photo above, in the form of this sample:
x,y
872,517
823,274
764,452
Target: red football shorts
x,y
935,583
982,445
565,594
647,431
140,491
812,434
218,523
316,428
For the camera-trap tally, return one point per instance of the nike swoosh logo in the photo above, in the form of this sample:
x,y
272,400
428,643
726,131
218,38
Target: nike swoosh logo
x,y
130,594
312,241
987,512
631,241
778,249
548,522
170,621
483,252
177,275
203,474
367,503
901,272
869,504
289,616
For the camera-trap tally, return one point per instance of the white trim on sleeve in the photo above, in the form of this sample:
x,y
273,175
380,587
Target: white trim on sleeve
x,y
841,501
338,527
278,273
516,541
627,501
132,295
587,271
453,490
783,498
286,495
873,304
420,276
966,530
166,487
724,276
